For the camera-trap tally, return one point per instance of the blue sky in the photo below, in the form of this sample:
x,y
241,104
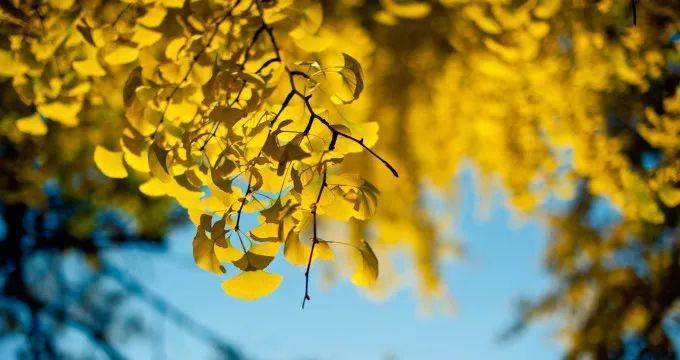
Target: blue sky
x,y
502,263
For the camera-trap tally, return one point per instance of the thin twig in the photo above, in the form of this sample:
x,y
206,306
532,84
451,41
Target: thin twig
x,y
315,239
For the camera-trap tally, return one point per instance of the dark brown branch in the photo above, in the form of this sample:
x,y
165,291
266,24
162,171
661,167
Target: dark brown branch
x,y
246,53
315,239
285,103
243,202
335,133
270,34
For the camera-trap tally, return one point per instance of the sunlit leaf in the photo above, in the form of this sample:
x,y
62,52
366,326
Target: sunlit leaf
x,y
109,162
252,285
33,125
366,271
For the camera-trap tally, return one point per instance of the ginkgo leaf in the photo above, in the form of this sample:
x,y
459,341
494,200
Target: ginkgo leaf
x,y
297,253
227,254
670,196
133,81
352,78
353,75
154,16
547,8
252,285
204,247
294,250
145,37
407,9
89,67
121,55
322,251
366,201
204,253
33,125
153,187
258,257
158,163
291,152
8,66
366,271
138,162
110,162
226,116
266,232
278,211
64,112
173,3
351,188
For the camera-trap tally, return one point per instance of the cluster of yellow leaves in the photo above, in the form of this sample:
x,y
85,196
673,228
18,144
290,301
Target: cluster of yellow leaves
x,y
218,116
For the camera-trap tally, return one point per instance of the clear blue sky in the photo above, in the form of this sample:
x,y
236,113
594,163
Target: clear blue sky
x,y
502,263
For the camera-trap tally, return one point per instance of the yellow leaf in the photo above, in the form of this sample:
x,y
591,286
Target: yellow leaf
x,y
670,196
89,67
62,4
407,9
366,272
32,125
294,250
204,253
138,162
9,67
65,113
110,162
145,37
322,251
158,163
121,55
229,253
252,285
173,3
153,187
153,17
266,232
547,8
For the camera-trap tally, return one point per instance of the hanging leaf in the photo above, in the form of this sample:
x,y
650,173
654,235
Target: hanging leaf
x,y
204,247
352,81
252,285
158,163
110,162
366,271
